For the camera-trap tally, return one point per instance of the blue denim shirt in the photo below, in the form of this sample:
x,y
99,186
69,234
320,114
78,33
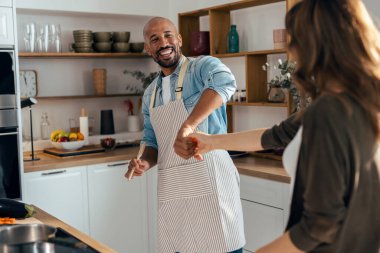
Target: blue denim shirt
x,y
204,72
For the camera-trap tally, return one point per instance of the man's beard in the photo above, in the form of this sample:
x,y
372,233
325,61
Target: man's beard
x,y
173,62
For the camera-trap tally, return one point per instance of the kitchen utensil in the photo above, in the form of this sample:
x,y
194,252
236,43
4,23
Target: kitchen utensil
x,y
35,247
32,233
139,154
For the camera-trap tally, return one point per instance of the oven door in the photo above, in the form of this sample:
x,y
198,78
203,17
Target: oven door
x,y
7,79
10,186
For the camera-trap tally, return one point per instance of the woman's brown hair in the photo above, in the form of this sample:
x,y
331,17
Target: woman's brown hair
x,y
336,41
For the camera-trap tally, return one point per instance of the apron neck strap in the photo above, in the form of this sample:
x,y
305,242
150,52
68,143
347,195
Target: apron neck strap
x,y
179,88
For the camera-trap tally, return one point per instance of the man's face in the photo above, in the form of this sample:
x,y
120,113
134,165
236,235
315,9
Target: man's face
x,y
163,43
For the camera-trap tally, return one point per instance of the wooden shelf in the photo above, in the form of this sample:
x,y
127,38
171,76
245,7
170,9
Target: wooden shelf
x,y
266,104
82,55
260,52
229,7
88,96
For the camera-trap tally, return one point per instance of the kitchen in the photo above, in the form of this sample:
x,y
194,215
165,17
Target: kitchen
x,y
54,81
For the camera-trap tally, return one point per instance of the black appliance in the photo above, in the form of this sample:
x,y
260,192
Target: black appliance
x,y
10,186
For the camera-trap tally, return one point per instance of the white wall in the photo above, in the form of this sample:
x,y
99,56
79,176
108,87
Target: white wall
x,y
130,7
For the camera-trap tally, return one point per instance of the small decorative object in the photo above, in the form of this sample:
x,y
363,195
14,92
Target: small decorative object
x,y
145,80
279,38
108,143
28,83
282,81
243,96
45,127
99,77
128,106
200,43
233,40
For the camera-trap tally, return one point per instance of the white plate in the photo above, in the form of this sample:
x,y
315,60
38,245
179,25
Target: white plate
x,y
70,145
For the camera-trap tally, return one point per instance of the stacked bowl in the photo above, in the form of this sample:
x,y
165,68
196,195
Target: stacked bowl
x,y
102,41
83,41
120,41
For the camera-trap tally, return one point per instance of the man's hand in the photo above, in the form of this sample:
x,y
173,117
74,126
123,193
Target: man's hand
x,y
139,166
184,145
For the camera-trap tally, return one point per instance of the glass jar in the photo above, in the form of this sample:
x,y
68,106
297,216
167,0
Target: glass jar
x,y
235,97
45,127
243,96
233,40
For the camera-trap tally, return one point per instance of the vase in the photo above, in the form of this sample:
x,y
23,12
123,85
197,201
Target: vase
x,y
200,43
276,95
233,40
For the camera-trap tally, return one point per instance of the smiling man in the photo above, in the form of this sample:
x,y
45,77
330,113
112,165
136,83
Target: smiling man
x,y
199,207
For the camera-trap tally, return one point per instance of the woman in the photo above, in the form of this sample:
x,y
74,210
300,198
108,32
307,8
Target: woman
x,y
333,157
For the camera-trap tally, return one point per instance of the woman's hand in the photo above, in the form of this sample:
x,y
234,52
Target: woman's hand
x,y
203,144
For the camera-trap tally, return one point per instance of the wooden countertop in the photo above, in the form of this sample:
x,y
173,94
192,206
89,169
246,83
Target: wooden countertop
x,y
247,165
43,217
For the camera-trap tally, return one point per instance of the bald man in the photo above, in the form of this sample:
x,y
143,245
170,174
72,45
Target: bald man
x,y
199,208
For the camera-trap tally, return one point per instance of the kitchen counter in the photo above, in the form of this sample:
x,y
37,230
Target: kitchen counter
x,y
247,165
43,217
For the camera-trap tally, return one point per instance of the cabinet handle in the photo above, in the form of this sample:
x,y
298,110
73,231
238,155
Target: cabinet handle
x,y
10,133
53,173
117,164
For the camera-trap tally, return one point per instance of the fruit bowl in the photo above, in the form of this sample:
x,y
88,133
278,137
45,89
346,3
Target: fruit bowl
x,y
70,145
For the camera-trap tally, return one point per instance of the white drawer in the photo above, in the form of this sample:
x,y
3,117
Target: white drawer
x,y
264,191
6,3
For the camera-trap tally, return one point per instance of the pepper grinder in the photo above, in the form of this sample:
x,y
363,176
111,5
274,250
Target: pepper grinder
x,y
83,125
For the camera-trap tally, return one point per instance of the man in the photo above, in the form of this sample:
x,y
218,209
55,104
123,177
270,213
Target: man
x,y
199,201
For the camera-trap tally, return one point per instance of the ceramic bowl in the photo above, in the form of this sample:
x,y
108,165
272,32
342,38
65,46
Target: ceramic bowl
x,y
120,46
103,46
108,143
137,47
70,145
121,36
102,36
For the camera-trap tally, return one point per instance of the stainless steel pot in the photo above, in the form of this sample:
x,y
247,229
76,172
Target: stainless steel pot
x,y
35,247
16,235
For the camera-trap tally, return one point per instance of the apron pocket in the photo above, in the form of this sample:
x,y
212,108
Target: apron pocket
x,y
184,181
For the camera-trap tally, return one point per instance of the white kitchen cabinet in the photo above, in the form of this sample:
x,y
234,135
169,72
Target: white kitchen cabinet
x,y
60,192
6,3
6,27
265,208
118,208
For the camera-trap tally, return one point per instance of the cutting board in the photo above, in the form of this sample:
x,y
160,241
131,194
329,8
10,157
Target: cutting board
x,y
90,149
30,220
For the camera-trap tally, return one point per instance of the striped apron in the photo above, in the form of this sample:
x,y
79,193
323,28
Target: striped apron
x,y
199,208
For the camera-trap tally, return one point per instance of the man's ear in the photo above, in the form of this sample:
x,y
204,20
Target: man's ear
x,y
180,40
147,49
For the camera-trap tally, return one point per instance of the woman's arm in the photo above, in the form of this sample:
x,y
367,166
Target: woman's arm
x,y
241,141
282,244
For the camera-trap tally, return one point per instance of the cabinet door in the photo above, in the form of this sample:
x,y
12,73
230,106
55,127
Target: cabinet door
x,y
6,27
262,224
61,192
151,176
117,208
6,3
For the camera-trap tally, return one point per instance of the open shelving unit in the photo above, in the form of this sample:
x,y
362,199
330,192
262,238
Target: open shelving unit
x,y
219,24
82,55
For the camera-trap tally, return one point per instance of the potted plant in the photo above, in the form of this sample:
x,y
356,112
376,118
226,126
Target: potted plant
x,y
282,81
145,80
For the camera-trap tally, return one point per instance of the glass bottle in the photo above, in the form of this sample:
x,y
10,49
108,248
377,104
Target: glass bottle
x,y
45,127
233,40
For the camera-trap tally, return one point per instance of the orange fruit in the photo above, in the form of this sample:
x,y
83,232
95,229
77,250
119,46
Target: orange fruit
x,y
80,136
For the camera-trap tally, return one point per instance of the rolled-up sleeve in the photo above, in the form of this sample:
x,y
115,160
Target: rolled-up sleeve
x,y
325,154
214,75
149,136
280,135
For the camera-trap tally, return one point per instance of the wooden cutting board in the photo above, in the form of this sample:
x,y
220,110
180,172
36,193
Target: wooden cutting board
x,y
90,149
30,220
